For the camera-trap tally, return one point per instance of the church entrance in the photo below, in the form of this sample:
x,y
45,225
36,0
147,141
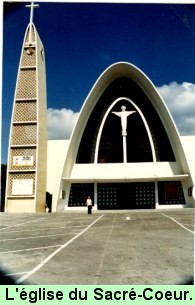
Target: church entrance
x,y
137,195
79,193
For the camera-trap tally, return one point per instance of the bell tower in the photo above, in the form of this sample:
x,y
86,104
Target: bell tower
x,y
27,155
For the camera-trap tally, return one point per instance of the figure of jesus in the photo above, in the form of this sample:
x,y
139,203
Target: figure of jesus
x,y
123,115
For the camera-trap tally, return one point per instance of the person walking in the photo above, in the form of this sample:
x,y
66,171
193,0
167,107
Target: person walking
x,y
89,204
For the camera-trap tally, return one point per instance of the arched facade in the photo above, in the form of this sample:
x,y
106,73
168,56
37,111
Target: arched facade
x,y
155,173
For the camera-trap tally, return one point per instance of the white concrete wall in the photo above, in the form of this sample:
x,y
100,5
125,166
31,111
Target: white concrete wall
x,y
124,171
188,143
189,149
57,150
56,153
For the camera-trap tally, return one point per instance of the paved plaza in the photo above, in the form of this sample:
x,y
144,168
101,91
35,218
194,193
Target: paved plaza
x,y
121,247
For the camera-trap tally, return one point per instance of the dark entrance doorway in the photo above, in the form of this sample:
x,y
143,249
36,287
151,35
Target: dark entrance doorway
x,y
49,201
170,192
123,196
79,193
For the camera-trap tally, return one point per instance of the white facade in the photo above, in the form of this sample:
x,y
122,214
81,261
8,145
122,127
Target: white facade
x,y
57,150
164,172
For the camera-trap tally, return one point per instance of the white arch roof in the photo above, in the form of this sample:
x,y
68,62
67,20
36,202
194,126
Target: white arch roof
x,y
117,70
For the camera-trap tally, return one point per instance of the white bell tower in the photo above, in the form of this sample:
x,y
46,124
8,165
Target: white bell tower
x,y
27,156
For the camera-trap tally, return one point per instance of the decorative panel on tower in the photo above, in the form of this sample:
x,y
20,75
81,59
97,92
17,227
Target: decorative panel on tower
x,y
26,174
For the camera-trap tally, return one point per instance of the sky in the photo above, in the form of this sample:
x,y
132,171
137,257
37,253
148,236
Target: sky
x,y
81,40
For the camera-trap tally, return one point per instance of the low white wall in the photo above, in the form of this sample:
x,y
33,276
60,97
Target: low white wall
x,y
56,153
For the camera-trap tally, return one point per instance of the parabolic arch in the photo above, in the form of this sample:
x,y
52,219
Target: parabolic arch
x,y
122,70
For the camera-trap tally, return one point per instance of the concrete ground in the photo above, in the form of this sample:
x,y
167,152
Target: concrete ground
x,y
121,247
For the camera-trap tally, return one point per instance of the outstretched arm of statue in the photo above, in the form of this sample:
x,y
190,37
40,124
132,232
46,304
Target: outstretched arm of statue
x,y
129,112
117,113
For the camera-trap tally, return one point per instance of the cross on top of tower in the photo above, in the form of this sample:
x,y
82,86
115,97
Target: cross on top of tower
x,y
31,6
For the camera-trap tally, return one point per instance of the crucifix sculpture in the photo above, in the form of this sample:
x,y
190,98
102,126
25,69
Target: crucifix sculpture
x,y
123,115
31,6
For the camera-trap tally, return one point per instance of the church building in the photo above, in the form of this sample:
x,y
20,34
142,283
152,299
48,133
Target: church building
x,y
125,150
146,168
